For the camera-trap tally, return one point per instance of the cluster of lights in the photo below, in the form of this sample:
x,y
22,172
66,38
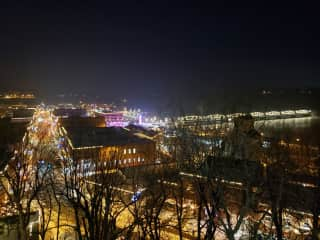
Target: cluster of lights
x,y
19,96
230,117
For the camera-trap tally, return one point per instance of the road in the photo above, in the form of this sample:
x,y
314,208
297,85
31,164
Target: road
x,y
43,145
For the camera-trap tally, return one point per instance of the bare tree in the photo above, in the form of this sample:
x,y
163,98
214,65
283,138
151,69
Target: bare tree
x,y
179,194
277,183
22,180
316,204
149,210
92,188
45,204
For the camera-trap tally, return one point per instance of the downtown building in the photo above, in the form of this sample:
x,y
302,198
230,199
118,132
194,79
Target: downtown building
x,y
108,147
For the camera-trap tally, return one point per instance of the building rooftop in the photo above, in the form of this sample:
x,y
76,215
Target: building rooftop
x,y
139,129
105,136
78,121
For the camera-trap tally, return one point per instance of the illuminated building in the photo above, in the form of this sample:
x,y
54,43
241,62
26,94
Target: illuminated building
x,y
258,115
115,146
76,121
303,112
69,112
288,114
217,118
18,101
120,118
137,129
116,119
16,95
272,115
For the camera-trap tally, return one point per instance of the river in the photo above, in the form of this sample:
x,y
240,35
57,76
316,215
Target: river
x,y
305,130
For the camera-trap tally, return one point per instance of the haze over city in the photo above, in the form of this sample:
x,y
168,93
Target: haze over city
x,y
142,50
151,120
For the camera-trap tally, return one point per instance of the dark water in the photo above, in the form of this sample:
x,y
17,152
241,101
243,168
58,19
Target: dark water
x,y
305,130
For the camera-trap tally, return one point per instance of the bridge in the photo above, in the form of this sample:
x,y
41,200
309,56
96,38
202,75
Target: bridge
x,y
224,118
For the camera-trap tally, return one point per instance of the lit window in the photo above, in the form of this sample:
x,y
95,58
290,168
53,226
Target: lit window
x,y
129,160
138,159
142,159
129,150
134,160
115,162
124,151
134,150
119,161
124,161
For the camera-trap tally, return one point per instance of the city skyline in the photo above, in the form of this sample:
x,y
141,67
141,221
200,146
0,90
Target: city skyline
x,y
156,120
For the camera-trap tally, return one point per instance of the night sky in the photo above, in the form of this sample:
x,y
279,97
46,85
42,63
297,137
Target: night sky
x,y
157,49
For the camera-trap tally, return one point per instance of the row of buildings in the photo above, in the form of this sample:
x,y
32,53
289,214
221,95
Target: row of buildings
x,y
89,141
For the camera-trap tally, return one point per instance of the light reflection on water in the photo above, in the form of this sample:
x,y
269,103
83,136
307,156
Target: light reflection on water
x,y
306,129
294,123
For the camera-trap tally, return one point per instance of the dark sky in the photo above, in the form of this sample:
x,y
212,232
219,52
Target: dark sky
x,y
157,48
